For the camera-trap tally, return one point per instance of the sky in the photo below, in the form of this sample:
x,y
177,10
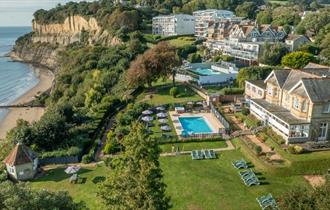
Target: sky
x,y
20,12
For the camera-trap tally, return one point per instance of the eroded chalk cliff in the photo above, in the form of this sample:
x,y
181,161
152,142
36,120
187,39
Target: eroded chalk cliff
x,y
43,46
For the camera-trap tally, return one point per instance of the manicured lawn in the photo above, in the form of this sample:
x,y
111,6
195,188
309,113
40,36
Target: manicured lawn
x,y
57,180
160,95
193,146
182,41
215,184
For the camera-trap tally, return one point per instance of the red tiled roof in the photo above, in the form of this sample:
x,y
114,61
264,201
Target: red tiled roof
x,y
19,155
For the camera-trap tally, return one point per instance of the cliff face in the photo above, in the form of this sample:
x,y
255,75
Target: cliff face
x,y
43,46
72,31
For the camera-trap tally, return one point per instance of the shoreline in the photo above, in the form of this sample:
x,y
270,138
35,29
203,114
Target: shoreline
x,y
46,78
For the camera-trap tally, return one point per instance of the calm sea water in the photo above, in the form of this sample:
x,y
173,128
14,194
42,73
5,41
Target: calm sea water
x,y
15,78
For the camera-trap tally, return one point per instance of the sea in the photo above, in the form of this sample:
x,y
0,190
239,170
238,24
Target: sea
x,y
16,78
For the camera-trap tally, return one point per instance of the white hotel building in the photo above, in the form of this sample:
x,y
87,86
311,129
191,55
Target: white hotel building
x,y
204,17
173,25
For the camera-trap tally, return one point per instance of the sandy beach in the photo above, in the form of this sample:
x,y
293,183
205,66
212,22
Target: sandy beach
x,y
46,78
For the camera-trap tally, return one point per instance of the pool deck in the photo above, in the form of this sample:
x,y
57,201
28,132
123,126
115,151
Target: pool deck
x,y
210,119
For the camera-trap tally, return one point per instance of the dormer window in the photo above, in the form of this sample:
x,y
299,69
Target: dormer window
x,y
295,103
326,107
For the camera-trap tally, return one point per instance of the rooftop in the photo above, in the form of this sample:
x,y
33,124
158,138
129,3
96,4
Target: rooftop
x,y
258,83
20,155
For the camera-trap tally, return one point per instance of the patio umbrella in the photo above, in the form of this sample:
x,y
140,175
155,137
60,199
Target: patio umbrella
x,y
147,118
72,169
165,128
190,103
160,108
147,112
163,121
161,115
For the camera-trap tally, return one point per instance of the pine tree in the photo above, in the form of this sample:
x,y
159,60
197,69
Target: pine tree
x,y
135,181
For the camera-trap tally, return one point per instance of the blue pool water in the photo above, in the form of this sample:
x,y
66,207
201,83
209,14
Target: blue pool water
x,y
207,72
195,125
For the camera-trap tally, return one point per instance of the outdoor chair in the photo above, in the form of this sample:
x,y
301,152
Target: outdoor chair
x,y
212,153
200,154
239,164
248,176
194,155
252,181
246,172
267,201
206,154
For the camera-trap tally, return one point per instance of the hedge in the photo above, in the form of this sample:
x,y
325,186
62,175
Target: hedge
x,y
72,151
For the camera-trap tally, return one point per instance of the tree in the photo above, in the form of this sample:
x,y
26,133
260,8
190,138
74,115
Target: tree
x,y
285,16
297,59
135,181
305,199
314,22
21,196
247,9
265,17
252,73
155,63
195,58
174,91
272,54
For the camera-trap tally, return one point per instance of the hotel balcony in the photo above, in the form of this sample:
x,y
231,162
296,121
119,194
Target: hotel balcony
x,y
291,128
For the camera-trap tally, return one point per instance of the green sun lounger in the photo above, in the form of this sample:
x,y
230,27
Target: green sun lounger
x,y
239,164
248,176
252,181
194,155
267,201
212,153
200,154
246,172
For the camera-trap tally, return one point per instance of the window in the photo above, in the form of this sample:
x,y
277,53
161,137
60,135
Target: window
x,y
247,86
287,97
326,108
270,90
304,106
259,92
254,89
323,131
295,103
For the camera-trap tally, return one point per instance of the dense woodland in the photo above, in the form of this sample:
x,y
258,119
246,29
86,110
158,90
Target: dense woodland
x,y
93,81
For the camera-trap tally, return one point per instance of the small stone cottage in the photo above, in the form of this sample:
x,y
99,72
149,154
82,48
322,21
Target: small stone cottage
x,y
21,163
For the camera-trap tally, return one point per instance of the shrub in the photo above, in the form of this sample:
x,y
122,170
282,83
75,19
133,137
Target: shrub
x,y
258,149
110,148
88,158
245,111
295,149
174,91
262,136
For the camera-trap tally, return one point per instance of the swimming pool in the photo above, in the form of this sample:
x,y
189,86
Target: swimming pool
x,y
195,125
206,72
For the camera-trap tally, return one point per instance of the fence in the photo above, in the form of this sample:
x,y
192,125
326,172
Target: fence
x,y
221,118
59,160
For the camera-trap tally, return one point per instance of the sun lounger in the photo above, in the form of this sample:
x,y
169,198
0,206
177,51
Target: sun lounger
x,y
239,164
246,172
252,181
267,201
212,153
200,154
194,155
248,176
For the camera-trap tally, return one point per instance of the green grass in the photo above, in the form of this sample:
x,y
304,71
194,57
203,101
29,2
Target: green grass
x,y
215,184
160,95
57,179
182,41
193,146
